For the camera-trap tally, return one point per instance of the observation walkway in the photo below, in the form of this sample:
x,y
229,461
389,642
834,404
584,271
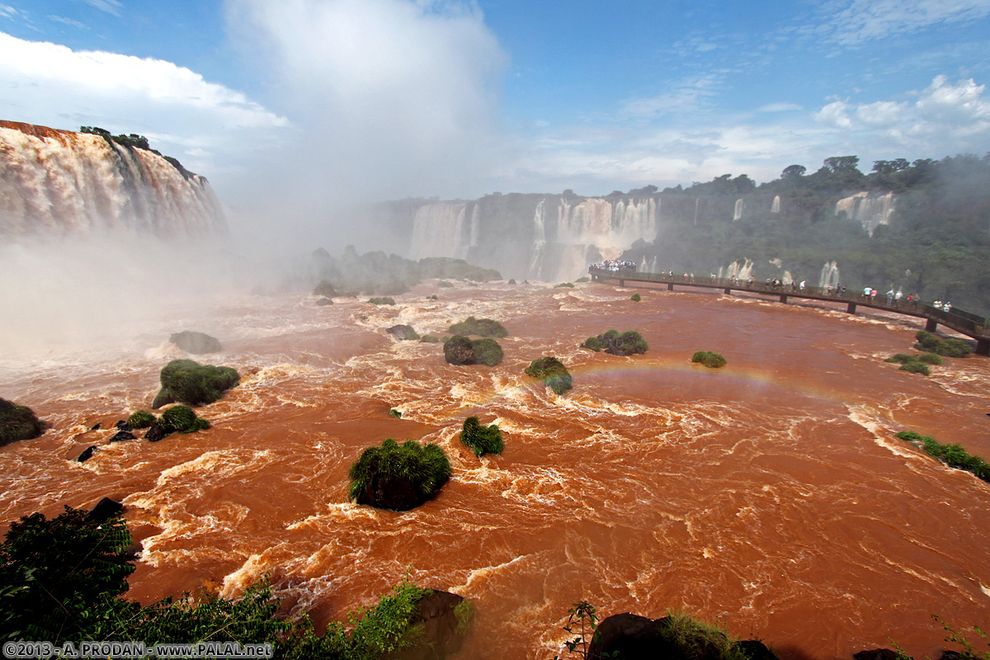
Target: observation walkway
x,y
961,321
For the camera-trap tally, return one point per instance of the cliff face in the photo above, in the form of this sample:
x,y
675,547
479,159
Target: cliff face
x,y
63,182
555,237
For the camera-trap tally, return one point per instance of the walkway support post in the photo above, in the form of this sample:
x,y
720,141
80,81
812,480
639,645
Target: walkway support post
x,y
931,325
983,346
783,298
727,291
851,308
670,286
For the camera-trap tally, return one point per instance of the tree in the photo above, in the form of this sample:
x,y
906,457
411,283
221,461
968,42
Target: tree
x,y
840,164
793,172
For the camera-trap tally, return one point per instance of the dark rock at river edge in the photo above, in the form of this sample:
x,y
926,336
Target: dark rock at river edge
x,y
105,509
634,637
403,332
120,436
18,422
441,620
87,453
196,342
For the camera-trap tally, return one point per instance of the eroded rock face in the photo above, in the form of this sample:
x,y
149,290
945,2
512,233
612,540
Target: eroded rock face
x,y
444,619
196,342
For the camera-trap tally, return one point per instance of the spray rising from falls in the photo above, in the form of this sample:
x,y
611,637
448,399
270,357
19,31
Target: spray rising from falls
x,y
737,271
829,277
62,182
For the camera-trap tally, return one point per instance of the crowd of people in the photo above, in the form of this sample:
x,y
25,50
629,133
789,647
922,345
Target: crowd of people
x,y
614,265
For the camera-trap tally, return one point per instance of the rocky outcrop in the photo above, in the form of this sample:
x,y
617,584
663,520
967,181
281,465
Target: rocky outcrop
x,y
403,332
105,509
634,637
87,453
189,382
196,342
18,423
441,621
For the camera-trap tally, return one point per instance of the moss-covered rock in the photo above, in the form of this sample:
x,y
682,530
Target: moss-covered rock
x,y
399,477
481,439
635,297
430,339
486,351
479,328
403,332
189,382
383,300
947,346
141,419
196,342
616,343
710,359
18,423
458,350
564,285
552,372
177,419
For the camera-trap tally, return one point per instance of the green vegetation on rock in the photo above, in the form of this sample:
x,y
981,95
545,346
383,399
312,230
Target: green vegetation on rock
x,y
383,300
635,297
564,285
189,382
18,423
182,419
481,439
81,561
915,364
399,477
947,346
552,372
395,412
709,359
616,343
141,419
952,455
430,339
479,328
460,350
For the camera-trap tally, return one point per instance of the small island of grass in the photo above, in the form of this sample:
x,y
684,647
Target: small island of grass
x,y
552,372
616,343
635,297
952,455
186,381
18,423
460,350
479,328
947,346
399,477
709,359
481,439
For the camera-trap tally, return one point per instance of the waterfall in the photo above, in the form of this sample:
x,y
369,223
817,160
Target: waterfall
x,y
738,211
829,276
539,240
787,279
66,182
642,265
775,205
742,271
438,231
868,209
653,265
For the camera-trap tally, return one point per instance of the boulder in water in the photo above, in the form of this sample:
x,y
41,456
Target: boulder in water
x,y
677,637
87,453
189,382
105,509
323,302
399,477
196,342
120,436
156,432
403,332
441,621
17,423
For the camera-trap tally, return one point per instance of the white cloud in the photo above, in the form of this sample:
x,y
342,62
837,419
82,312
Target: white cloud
x,y
50,84
107,6
6,11
779,107
680,96
391,97
835,113
854,22
71,22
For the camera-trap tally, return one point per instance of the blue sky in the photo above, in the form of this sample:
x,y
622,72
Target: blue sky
x,y
396,97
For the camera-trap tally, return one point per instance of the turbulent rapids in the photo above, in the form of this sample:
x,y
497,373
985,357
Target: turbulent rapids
x,y
769,496
56,182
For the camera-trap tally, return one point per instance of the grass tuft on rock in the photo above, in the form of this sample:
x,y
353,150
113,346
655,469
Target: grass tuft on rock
x,y
186,381
635,297
481,439
141,419
399,477
946,346
552,372
460,350
952,455
709,359
479,328
616,343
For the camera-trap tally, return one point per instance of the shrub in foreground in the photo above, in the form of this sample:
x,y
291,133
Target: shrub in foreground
x,y
616,343
952,455
481,439
399,477
18,422
552,372
81,562
709,359
479,328
460,350
185,381
947,346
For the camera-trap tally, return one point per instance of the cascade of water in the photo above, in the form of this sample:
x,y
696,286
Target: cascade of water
x,y
829,277
787,279
869,209
653,265
742,271
77,182
539,240
775,205
737,212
